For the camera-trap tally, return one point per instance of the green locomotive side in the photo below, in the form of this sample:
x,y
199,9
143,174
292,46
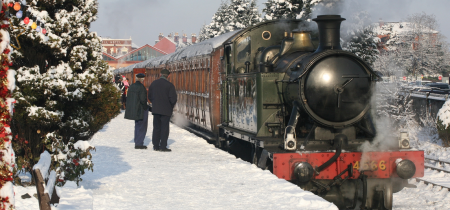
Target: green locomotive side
x,y
270,114
252,100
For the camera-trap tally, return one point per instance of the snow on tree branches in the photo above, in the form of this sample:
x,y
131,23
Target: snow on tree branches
x,y
237,15
360,38
63,86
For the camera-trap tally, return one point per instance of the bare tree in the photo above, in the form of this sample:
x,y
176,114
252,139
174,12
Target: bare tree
x,y
421,47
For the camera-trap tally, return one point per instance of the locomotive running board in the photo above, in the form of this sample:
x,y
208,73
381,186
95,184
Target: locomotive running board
x,y
242,135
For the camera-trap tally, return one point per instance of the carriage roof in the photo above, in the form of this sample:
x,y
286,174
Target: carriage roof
x,y
199,49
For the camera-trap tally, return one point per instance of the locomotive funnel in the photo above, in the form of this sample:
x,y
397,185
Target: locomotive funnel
x,y
329,32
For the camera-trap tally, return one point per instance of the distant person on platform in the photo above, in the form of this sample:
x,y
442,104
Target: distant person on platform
x,y
163,97
137,110
124,92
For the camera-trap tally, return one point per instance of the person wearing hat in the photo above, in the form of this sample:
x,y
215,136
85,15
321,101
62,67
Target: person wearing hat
x,y
163,97
137,110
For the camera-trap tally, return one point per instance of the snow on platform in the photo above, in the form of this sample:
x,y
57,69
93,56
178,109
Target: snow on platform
x,y
195,175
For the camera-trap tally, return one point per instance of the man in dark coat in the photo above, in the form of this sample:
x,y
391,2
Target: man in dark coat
x,y
137,110
163,97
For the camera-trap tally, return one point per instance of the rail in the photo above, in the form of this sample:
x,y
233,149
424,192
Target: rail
x,y
432,183
437,169
43,197
437,160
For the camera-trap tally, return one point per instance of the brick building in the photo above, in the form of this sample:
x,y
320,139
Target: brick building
x,y
120,53
171,43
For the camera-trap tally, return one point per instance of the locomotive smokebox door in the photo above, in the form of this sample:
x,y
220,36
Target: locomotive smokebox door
x,y
336,86
337,91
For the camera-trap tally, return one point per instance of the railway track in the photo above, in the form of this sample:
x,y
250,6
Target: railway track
x,y
433,183
437,169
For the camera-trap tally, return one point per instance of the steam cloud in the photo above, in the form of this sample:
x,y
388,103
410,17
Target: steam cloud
x,y
179,120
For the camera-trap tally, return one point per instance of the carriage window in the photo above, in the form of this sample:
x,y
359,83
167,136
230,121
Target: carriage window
x,y
197,81
228,59
192,84
207,81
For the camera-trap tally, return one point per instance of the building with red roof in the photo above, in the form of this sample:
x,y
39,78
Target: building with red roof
x,y
135,56
171,43
120,53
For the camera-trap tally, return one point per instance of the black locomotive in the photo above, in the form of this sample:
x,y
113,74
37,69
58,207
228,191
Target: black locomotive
x,y
298,110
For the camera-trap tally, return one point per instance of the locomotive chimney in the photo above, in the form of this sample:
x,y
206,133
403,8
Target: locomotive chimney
x,y
329,32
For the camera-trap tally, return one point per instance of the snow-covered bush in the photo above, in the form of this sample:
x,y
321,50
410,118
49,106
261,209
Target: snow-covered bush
x,y
69,160
63,86
390,102
443,123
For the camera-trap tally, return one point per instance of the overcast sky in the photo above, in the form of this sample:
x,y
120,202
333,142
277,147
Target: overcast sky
x,y
143,20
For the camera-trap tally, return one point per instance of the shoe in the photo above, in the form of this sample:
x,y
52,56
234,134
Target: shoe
x,y
140,147
156,149
165,150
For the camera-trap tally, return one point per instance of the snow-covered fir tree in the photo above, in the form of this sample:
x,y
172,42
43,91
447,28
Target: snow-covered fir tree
x,y
64,89
220,21
282,9
253,16
363,44
360,38
238,14
205,33
244,13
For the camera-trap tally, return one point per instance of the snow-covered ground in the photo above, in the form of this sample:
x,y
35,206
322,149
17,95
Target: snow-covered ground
x,y
196,175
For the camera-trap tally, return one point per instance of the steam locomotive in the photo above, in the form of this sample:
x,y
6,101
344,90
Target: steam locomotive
x,y
300,111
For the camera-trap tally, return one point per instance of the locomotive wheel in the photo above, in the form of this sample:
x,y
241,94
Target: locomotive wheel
x,y
221,144
383,199
218,144
256,156
226,145
388,196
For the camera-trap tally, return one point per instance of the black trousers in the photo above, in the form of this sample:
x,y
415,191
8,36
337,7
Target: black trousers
x,y
160,131
140,129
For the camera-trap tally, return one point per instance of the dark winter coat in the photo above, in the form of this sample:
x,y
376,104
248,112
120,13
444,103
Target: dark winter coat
x,y
163,97
136,101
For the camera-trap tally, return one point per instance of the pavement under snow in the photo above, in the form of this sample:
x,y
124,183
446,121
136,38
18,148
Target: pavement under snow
x,y
195,175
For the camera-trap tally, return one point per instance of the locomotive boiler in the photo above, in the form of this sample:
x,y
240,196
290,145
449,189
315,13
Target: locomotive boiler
x,y
296,104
